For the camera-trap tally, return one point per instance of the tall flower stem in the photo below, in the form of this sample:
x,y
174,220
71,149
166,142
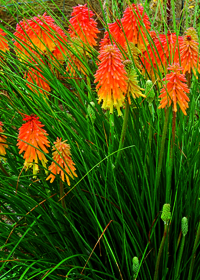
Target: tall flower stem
x,y
184,229
180,253
61,195
111,142
162,148
123,133
194,252
169,175
88,78
160,252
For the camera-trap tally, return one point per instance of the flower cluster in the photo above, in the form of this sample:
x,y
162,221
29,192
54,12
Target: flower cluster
x,y
39,35
3,42
62,161
111,78
175,90
32,140
83,26
128,49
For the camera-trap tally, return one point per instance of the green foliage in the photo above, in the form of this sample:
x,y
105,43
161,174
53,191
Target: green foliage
x,y
112,211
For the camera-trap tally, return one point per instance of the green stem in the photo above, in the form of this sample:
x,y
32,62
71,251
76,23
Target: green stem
x,y
162,148
4,171
150,137
61,195
194,252
180,253
123,133
160,252
111,142
169,175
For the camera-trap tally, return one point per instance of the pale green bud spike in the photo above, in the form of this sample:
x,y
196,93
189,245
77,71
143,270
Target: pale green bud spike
x,y
128,66
91,112
166,214
149,91
135,266
184,226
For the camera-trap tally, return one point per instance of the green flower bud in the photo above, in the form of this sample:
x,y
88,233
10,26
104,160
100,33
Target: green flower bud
x,y
184,226
135,266
128,66
91,112
149,91
166,214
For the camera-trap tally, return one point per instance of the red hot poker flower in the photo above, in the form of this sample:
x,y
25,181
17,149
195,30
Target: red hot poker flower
x,y
38,32
133,20
175,90
3,42
36,81
160,53
62,156
112,79
189,52
167,48
82,25
3,144
31,138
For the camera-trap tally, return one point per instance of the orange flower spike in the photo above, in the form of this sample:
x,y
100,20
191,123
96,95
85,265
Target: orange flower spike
x,y
82,25
3,42
167,48
105,41
36,81
133,21
175,90
149,58
116,31
189,52
31,138
3,144
112,79
38,32
62,156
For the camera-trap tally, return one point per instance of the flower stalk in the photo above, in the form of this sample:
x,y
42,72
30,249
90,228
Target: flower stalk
x,y
194,253
184,227
166,217
171,158
162,148
123,133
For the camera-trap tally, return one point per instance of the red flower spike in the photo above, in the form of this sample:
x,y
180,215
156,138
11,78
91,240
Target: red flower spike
x,y
105,41
112,79
168,49
82,25
189,52
37,80
3,42
31,138
62,156
38,32
133,21
175,90
161,52
3,144
117,33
